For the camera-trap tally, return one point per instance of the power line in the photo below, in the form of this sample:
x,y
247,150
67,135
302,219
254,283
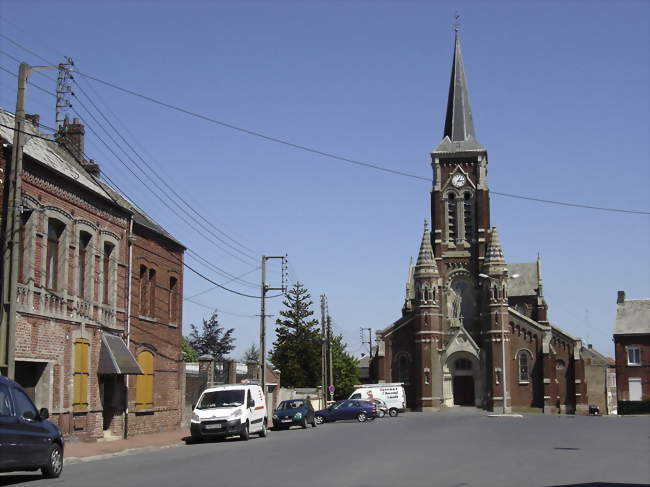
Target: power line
x,y
223,287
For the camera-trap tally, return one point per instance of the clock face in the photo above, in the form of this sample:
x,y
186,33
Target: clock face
x,y
458,180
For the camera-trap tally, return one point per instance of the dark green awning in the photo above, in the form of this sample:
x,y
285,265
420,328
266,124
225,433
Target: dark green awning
x,y
115,358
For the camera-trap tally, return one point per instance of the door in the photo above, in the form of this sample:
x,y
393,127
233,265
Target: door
x,y
634,385
255,402
463,390
33,437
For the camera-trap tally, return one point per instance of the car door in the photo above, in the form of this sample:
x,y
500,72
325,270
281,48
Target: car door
x,y
33,436
8,429
349,410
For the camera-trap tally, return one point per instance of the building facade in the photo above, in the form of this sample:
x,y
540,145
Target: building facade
x,y
83,346
474,328
632,352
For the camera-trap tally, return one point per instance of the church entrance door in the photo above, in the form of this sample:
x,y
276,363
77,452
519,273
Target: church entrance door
x,y
463,390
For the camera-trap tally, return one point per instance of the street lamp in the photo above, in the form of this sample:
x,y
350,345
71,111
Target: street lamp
x,y
504,377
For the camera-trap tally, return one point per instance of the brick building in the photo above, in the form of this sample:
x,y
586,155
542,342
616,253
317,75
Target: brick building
x,y
95,275
474,328
632,352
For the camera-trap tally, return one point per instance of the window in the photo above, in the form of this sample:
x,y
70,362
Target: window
x,y
173,300
402,366
54,233
84,242
144,292
5,402
24,406
144,382
559,365
80,376
468,210
22,246
451,217
497,375
106,258
633,356
463,364
634,388
524,366
152,293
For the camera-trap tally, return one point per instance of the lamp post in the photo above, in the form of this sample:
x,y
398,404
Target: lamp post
x,y
504,377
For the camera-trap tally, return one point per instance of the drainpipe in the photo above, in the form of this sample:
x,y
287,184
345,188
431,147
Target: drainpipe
x,y
130,241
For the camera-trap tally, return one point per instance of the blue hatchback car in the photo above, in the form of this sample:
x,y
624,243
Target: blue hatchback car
x,y
27,440
348,409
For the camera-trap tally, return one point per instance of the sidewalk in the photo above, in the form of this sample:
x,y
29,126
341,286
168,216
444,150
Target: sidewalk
x,y
79,451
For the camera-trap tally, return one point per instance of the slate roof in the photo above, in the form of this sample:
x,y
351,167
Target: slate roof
x,y
459,135
527,282
53,156
632,317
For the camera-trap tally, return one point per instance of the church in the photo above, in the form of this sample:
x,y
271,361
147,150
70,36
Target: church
x,y
474,329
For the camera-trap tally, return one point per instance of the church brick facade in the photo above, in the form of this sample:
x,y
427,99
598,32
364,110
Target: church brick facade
x,y
474,329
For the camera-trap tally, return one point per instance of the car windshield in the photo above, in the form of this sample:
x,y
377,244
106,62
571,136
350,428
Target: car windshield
x,y
338,405
221,399
291,405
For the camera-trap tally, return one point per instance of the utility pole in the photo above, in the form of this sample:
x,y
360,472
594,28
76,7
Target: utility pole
x,y
329,355
266,287
323,355
363,338
12,206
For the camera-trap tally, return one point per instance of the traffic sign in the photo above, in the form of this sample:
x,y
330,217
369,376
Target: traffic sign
x,y
331,389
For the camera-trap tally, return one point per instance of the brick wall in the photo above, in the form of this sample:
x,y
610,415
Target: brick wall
x,y
625,371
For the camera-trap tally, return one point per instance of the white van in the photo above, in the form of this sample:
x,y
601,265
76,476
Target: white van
x,y
391,393
228,410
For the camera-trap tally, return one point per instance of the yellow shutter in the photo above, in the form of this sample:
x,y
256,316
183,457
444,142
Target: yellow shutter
x,y
144,382
80,376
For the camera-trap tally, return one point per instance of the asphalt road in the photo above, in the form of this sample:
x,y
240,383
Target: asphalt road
x,y
454,448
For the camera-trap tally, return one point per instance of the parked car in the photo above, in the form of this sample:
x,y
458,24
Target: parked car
x,y
229,411
28,441
382,408
298,412
359,410
391,393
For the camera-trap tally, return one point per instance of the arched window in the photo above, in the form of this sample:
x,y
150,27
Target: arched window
x,y
152,293
452,227
144,292
173,300
559,365
468,214
463,364
82,263
523,358
107,271
144,382
55,230
402,372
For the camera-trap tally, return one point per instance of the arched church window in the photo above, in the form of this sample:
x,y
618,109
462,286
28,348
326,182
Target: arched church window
x,y
452,228
468,215
523,357
559,365
402,371
463,364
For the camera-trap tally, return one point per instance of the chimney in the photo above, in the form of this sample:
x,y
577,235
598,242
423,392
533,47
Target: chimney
x,y
71,135
590,346
33,118
621,297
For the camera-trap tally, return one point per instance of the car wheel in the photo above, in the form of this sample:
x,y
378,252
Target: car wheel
x,y
194,439
313,423
263,432
381,413
392,412
245,433
319,419
54,466
303,423
361,417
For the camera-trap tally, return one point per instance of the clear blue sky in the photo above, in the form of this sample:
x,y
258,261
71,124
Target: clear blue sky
x,y
559,92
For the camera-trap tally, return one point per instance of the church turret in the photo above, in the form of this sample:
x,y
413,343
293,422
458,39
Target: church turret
x,y
494,263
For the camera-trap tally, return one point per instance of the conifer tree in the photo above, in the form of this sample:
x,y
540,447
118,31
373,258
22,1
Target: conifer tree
x,y
212,338
296,350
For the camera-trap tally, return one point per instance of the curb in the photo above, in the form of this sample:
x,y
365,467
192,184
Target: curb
x,y
121,453
505,416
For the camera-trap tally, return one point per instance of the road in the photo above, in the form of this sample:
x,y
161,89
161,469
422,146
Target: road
x,y
454,448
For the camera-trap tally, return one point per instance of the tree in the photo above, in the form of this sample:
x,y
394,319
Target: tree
x,y
296,350
189,354
346,373
252,353
212,339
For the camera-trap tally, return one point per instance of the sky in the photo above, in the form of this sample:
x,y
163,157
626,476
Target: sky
x,y
559,94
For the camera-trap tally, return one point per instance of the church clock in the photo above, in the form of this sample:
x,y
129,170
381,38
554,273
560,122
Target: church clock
x,y
458,180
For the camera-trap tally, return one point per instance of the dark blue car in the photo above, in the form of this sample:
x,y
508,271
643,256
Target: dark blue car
x,y
27,440
348,409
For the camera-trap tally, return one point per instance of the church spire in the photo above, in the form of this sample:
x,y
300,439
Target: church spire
x,y
494,263
459,132
426,263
